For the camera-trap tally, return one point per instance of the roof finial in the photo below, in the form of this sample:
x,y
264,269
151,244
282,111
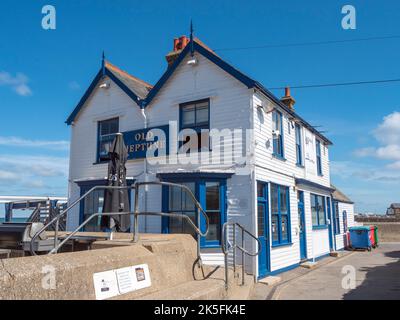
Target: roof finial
x,y
191,38
103,63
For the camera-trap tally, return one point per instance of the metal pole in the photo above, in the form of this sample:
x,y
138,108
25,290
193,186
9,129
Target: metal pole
x,y
136,220
198,237
234,250
226,270
56,234
242,256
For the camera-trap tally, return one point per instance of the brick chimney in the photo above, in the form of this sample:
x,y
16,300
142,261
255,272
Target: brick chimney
x,y
179,44
288,99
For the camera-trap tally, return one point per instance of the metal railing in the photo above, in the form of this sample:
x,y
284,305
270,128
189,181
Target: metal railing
x,y
136,213
227,246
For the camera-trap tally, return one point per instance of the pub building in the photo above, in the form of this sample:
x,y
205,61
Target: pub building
x,y
275,180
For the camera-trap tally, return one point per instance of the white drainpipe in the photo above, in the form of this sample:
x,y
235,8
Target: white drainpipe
x,y
146,179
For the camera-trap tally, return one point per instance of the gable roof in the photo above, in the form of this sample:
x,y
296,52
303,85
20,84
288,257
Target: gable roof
x,y
143,93
135,88
246,80
340,196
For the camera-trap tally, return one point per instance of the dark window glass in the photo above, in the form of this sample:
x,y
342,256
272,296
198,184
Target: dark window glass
x,y
261,219
280,214
318,210
299,145
181,203
195,116
107,130
213,210
277,133
319,163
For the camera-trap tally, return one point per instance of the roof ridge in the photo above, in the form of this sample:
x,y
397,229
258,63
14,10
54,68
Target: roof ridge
x,y
112,66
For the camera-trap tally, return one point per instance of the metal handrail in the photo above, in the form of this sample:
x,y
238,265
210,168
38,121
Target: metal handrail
x,y
56,218
234,246
135,213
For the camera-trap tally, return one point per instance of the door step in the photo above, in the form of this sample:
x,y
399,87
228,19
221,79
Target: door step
x,y
308,265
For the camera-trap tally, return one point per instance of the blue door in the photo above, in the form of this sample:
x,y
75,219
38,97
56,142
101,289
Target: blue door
x,y
263,228
330,231
302,225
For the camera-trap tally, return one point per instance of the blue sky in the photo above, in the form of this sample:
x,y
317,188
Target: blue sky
x,y
43,74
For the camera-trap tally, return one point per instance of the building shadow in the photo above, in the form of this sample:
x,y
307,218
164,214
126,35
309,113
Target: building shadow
x,y
380,283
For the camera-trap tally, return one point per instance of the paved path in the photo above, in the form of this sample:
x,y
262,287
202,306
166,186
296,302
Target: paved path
x,y
377,276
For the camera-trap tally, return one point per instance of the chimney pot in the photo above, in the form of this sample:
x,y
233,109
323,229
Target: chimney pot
x,y
288,99
179,44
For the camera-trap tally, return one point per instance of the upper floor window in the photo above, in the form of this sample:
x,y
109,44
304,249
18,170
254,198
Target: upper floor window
x,y
318,210
299,146
277,133
106,133
280,214
196,116
318,152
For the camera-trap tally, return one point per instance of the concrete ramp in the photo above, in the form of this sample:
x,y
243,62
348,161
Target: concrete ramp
x,y
171,262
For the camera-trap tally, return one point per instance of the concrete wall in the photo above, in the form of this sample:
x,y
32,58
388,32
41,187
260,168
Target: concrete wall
x,y
387,231
170,259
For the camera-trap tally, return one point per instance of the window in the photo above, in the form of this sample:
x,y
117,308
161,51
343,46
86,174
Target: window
x,y
318,151
299,146
195,116
318,211
106,133
280,215
261,207
337,219
277,133
213,211
344,221
211,196
181,203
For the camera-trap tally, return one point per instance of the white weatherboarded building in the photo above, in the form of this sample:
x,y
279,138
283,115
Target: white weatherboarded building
x,y
280,190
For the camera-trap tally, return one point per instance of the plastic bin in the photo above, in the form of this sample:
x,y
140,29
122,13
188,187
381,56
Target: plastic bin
x,y
375,232
372,236
360,238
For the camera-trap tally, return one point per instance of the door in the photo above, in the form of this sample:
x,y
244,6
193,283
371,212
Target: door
x,y
330,230
263,229
302,225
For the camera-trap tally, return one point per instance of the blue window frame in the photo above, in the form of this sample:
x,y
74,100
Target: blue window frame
x,y
280,215
196,116
262,199
318,152
106,134
318,211
211,194
336,218
277,134
299,146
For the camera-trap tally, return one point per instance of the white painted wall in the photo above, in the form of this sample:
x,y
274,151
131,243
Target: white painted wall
x,y
341,239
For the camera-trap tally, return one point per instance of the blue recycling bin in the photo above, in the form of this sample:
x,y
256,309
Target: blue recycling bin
x,y
360,238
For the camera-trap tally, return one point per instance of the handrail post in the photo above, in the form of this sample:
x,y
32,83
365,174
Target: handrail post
x,y
198,237
135,215
242,257
56,234
234,250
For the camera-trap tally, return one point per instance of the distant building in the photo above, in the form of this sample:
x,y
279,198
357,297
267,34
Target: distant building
x,y
393,210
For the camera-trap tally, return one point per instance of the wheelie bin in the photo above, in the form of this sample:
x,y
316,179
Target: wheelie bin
x,y
360,237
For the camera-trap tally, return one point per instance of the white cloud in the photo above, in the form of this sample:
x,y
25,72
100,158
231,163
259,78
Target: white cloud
x,y
388,132
19,83
388,135
46,144
38,166
7,176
